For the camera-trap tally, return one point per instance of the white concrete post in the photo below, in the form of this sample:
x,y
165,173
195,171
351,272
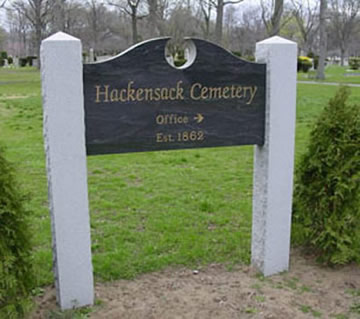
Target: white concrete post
x,y
64,135
274,161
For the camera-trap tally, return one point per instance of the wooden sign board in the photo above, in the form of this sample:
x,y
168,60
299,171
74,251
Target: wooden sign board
x,y
137,101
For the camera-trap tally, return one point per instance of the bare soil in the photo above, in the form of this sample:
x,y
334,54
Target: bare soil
x,y
306,291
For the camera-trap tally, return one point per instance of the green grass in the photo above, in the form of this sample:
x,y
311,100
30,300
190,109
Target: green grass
x,y
333,73
148,210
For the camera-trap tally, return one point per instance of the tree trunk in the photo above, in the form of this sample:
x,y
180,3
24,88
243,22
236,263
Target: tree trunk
x,y
59,15
342,56
153,18
323,41
38,38
134,27
219,21
276,17
207,27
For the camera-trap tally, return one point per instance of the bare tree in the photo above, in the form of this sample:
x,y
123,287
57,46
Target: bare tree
x,y
18,29
206,7
343,22
133,9
58,15
219,5
272,16
37,13
306,16
156,17
97,23
323,40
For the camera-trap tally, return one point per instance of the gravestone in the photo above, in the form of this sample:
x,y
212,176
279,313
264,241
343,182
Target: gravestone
x,y
138,102
16,62
91,55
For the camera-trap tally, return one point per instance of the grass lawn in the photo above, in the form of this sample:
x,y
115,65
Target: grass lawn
x,y
148,210
333,73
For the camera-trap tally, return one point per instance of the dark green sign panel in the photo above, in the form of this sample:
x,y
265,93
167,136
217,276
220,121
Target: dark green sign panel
x,y
138,102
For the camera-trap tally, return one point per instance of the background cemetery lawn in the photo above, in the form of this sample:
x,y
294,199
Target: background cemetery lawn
x,y
333,73
148,210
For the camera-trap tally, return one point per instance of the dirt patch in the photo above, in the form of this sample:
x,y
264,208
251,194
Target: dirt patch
x,y
306,291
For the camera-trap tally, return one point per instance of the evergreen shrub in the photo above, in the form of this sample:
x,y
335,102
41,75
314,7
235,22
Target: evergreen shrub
x,y
237,53
354,63
16,275
23,62
326,212
30,60
3,55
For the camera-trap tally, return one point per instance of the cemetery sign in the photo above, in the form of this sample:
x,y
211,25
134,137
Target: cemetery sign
x,y
137,101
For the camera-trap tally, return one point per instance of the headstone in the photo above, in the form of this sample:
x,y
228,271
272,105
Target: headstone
x,y
16,62
35,63
91,55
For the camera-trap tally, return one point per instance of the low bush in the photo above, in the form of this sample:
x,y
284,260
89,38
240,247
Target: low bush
x,y
304,64
179,62
354,63
30,60
16,276
10,60
23,62
326,212
3,55
237,53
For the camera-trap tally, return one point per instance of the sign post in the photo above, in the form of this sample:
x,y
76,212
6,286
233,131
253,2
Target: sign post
x,y
63,104
138,102
274,161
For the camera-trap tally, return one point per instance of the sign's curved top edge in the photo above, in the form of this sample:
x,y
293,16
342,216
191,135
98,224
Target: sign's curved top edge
x,y
221,48
166,39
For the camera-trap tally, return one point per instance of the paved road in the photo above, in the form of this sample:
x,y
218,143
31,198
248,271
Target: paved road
x,y
329,83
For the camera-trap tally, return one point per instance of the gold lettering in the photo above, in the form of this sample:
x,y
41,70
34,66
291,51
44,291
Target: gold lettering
x,y
148,94
172,94
253,90
233,91
139,95
164,94
215,93
130,92
192,91
122,95
238,92
179,91
204,93
159,137
105,93
114,97
157,94
160,119
225,92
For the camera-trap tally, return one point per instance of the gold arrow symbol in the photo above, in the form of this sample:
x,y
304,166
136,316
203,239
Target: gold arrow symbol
x,y
199,118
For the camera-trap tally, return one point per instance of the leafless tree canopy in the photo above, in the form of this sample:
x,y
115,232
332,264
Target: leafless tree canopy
x,y
109,26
